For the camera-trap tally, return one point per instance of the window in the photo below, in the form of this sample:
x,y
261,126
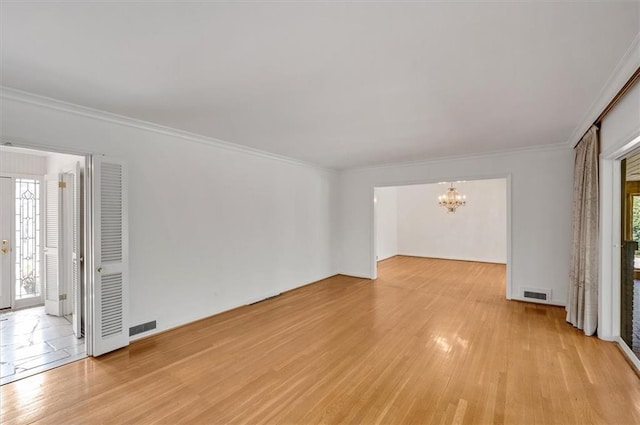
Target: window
x,y
27,248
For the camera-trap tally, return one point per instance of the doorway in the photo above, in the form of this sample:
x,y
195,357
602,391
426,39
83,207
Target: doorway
x,y
408,221
42,286
630,255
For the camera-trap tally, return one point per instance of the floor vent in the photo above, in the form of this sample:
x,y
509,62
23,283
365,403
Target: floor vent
x,y
138,329
537,294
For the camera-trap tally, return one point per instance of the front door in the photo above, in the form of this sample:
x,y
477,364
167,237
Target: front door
x,y
6,237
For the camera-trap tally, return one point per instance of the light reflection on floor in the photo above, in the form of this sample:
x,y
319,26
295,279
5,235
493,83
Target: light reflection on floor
x,y
32,341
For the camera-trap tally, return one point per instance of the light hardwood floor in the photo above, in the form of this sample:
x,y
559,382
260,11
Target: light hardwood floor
x,y
429,342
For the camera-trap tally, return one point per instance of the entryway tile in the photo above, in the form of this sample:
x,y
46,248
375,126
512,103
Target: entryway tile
x,y
40,360
32,341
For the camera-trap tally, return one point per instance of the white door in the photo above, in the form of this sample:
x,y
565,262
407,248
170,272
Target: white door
x,y
52,242
71,229
110,256
6,214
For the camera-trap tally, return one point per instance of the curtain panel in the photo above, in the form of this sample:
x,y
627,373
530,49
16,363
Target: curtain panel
x,y
582,299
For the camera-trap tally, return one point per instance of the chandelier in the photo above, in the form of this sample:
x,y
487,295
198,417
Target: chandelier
x,y
452,199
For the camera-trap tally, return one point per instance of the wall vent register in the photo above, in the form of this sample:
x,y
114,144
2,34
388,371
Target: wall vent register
x,y
537,294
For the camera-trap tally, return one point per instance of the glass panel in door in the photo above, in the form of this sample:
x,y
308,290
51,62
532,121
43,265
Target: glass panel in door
x,y
27,239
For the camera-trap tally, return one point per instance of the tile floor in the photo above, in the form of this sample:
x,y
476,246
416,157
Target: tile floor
x,y
32,341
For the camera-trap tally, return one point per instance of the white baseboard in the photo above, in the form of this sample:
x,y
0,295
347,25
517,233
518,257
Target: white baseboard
x,y
633,359
532,301
358,275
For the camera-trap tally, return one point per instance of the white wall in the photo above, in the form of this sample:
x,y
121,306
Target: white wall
x,y
20,163
622,123
211,228
541,190
57,162
386,222
476,231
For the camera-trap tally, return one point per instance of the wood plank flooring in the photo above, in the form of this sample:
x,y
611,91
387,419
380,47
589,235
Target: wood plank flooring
x,y
429,342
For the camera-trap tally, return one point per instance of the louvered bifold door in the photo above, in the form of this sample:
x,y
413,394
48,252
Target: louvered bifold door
x,y
73,195
52,212
111,329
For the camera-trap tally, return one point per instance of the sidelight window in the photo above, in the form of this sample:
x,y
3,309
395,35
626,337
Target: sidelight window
x,y
27,245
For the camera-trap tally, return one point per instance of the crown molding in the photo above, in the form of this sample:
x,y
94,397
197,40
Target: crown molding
x,y
54,104
59,105
465,157
620,75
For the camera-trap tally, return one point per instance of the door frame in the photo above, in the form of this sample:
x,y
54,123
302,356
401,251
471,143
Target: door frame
x,y
373,230
87,240
609,294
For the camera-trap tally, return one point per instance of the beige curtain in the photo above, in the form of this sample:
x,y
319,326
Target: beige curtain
x,y
582,300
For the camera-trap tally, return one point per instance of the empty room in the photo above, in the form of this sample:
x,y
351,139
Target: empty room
x,y
329,212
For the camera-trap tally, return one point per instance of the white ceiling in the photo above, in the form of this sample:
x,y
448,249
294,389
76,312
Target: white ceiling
x,y
334,83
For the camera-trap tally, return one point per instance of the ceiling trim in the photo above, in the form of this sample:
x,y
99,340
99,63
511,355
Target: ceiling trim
x,y
466,157
620,75
59,105
50,103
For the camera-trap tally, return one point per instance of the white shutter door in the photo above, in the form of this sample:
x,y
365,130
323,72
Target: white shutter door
x,y
52,304
73,189
111,329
